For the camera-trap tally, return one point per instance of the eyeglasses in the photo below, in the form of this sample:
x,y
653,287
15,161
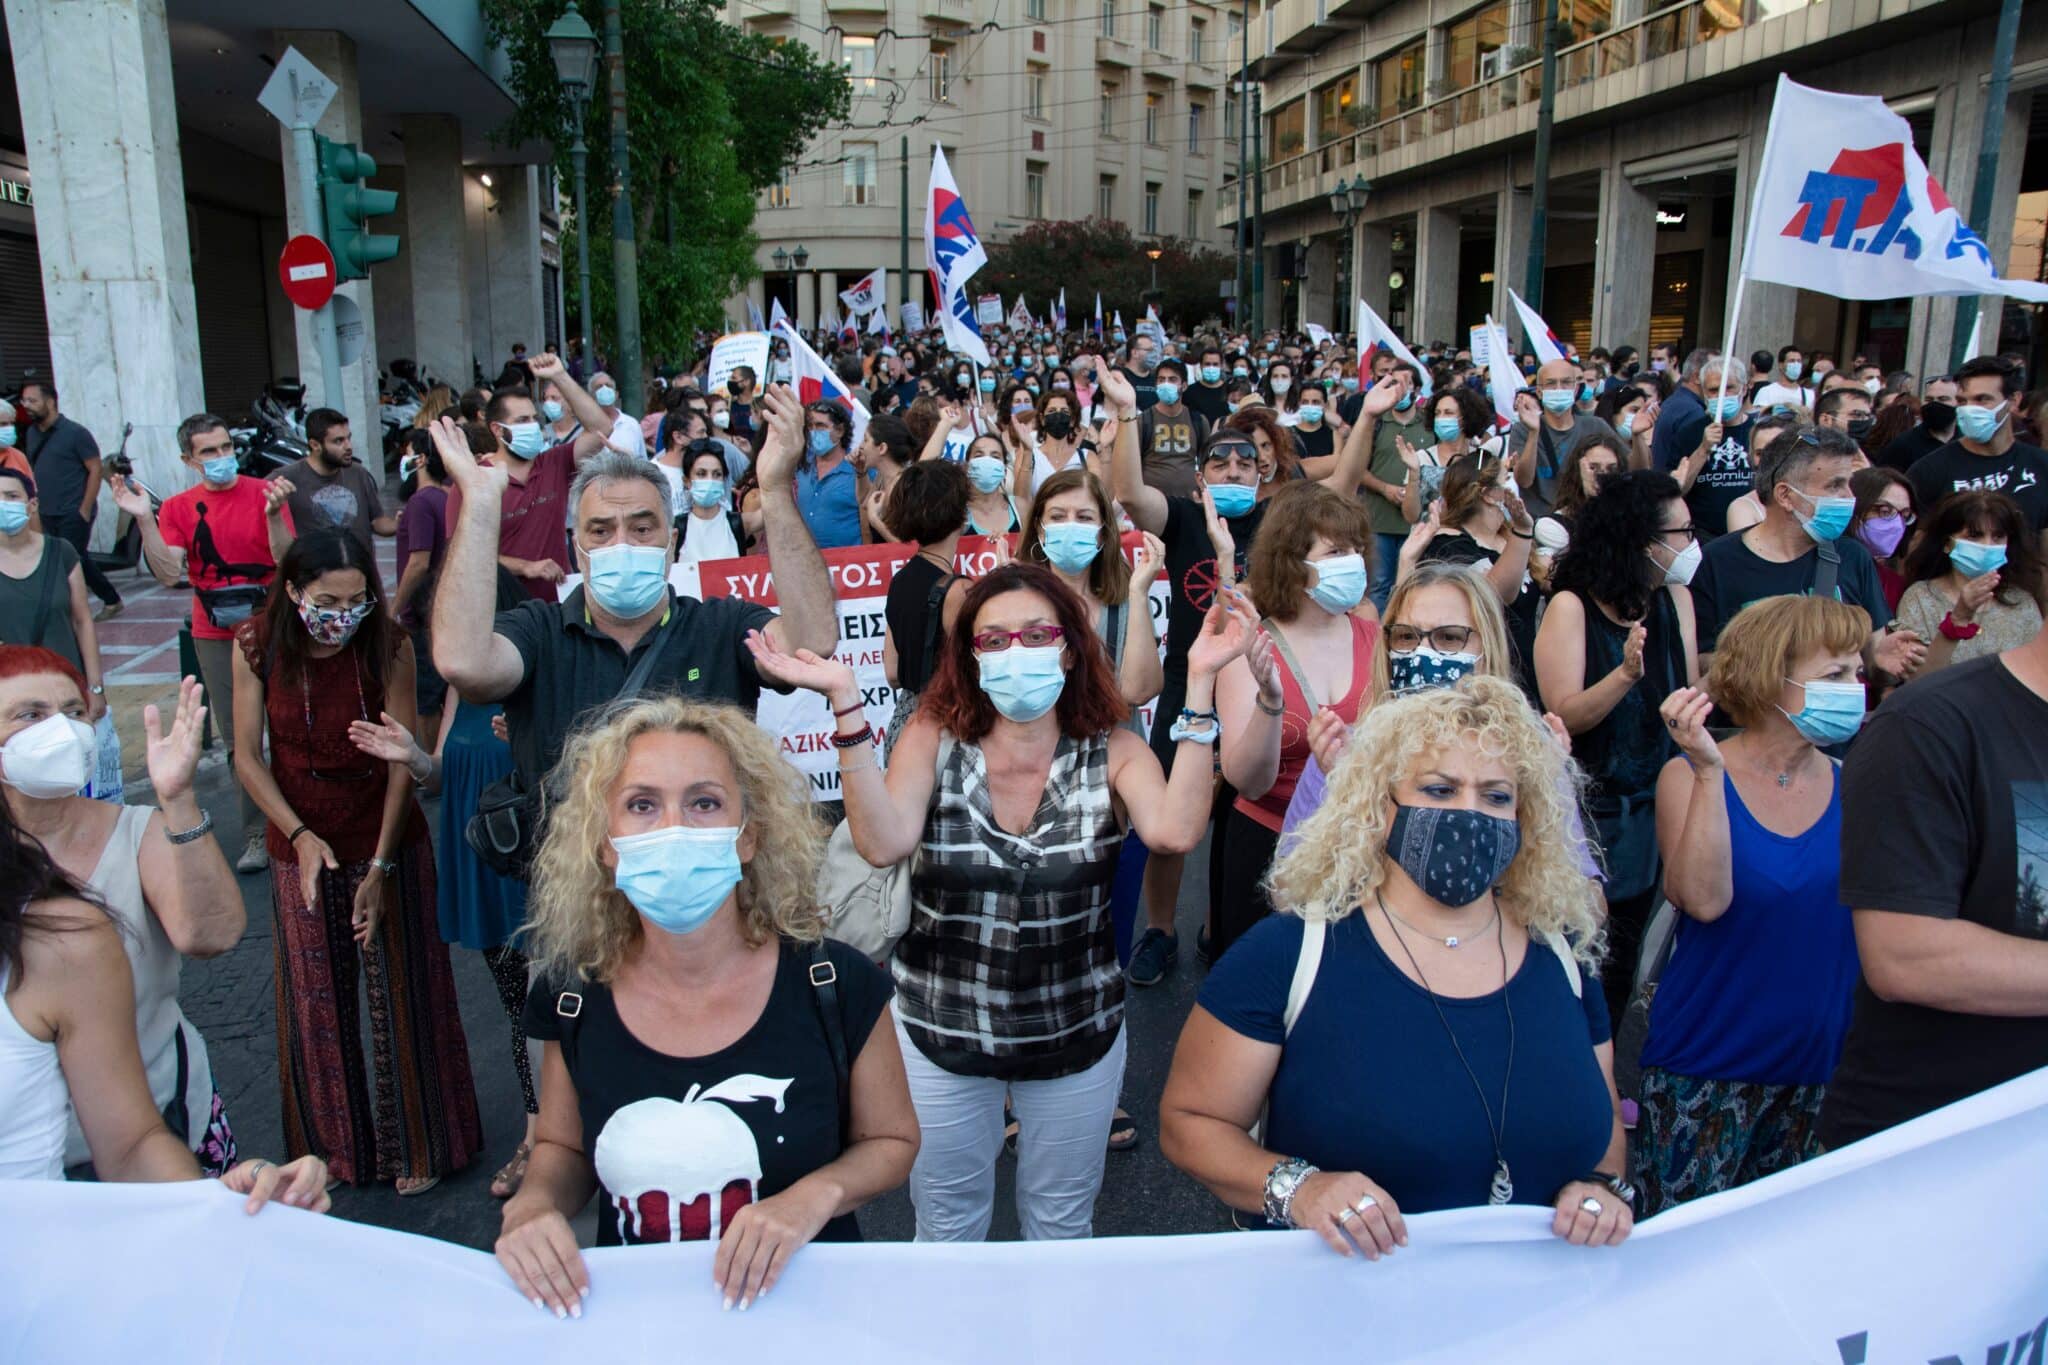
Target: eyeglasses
x,y
1442,639
1031,637
1884,511
1689,531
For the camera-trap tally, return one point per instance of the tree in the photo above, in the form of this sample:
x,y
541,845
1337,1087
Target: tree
x,y
1094,254
714,113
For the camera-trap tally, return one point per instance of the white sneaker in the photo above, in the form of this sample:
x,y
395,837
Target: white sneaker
x,y
255,857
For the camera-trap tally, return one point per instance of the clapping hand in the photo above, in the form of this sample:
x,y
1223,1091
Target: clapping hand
x,y
1328,737
172,755
385,739
1229,629
1632,651
1220,539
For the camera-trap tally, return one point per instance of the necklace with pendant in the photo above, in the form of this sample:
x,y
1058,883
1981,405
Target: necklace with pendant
x,y
1501,1190
1449,941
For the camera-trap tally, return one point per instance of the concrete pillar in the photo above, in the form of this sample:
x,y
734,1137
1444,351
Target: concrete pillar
x,y
806,310
1374,243
110,223
1510,252
829,306
391,280
1319,285
335,54
436,251
1436,276
512,238
1625,264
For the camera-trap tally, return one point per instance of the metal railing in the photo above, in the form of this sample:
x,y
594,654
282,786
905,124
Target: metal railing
x,y
1675,28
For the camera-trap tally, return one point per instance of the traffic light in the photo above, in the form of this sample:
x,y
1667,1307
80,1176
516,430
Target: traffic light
x,y
347,204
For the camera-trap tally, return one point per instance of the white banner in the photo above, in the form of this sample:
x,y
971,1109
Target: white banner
x,y
913,317
988,311
1543,342
1921,1244
733,350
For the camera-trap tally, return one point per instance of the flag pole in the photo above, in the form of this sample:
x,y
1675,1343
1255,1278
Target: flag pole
x,y
1728,343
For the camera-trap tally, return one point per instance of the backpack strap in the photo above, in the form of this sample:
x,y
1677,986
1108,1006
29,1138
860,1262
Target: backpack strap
x,y
1558,944
1308,693
824,979
934,614
1829,571
1306,965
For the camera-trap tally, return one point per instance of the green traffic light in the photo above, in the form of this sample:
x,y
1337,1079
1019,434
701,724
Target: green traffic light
x,y
346,204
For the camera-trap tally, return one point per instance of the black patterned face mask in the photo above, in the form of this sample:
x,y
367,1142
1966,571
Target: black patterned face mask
x,y
1455,856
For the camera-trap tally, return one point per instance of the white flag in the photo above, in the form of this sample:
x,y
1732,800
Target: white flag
x,y
913,316
1502,378
754,314
1020,316
776,317
1373,334
1542,340
878,325
953,252
1318,334
867,293
1844,206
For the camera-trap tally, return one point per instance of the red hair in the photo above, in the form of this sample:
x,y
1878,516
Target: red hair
x,y
1089,704
23,661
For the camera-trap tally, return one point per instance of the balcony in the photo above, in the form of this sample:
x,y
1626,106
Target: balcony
x,y
1204,75
1161,66
1300,27
857,6
1109,51
933,11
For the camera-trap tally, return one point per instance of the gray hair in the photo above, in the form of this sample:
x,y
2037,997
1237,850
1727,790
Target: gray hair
x,y
609,466
1792,452
198,424
1697,361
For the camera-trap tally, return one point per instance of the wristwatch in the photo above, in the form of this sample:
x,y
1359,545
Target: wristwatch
x,y
1282,1182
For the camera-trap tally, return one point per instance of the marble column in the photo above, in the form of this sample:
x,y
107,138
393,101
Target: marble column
x,y
436,252
110,223
513,241
1319,285
1625,264
1436,276
335,55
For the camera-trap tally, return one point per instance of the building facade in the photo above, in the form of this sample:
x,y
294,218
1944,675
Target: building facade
x,y
1659,128
1047,110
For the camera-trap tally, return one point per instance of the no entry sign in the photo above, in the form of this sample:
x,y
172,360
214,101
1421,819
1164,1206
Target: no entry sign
x,y
306,269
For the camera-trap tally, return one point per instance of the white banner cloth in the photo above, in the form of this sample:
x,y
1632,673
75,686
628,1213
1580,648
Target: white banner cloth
x,y
1921,1244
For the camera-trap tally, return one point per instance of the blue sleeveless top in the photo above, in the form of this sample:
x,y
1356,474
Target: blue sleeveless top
x,y
1763,993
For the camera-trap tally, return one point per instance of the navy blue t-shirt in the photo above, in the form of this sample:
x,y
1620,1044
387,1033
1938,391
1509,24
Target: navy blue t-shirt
x,y
1369,1082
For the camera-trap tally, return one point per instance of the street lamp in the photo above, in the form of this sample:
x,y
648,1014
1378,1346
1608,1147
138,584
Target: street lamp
x,y
1347,201
781,259
1154,253
574,47
800,256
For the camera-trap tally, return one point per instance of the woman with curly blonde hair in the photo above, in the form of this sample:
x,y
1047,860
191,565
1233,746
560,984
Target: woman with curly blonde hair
x,y
1416,1020
713,1065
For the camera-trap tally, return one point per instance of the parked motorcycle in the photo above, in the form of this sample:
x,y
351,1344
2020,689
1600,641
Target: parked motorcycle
x,y
276,435
126,551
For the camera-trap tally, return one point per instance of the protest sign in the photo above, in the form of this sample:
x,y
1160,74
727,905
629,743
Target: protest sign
x,y
733,350
988,310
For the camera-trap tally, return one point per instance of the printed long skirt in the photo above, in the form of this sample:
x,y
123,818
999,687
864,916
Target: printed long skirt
x,y
1699,1137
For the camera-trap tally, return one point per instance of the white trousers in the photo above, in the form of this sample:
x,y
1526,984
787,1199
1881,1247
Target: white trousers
x,y
1062,1138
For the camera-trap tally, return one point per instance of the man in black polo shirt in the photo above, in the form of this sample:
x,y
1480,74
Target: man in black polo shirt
x,y
552,663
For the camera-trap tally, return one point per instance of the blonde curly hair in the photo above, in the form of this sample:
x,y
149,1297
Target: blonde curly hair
x,y
1337,860
578,925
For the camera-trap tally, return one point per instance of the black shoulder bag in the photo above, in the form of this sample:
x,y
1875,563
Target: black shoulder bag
x,y
505,830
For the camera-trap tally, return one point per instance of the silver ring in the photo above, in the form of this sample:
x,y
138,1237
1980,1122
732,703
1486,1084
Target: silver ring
x,y
1344,1213
1592,1206
1366,1202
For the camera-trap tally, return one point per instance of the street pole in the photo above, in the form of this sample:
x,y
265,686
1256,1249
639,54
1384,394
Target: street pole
x,y
625,260
578,156
1258,212
307,153
1244,143
1539,200
903,232
1981,191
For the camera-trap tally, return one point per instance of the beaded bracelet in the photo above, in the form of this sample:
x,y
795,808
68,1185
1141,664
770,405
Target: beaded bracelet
x,y
856,739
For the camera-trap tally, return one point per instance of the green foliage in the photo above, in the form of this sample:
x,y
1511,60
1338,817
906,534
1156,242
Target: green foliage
x,y
713,114
1097,254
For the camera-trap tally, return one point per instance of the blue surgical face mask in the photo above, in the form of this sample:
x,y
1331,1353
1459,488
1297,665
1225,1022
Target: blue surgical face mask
x,y
1830,516
1625,424
7,435
1558,400
407,467
1833,712
1979,424
220,470
1169,392
988,383
677,876
1447,429
986,473
707,492
1022,682
552,410
1404,402
13,517
1351,383
1240,372
1455,856
1588,392
1071,546
525,439
1117,336
628,580
1725,410
1309,414
1974,558
1793,369
821,443
605,395
1340,582
1212,374
1423,667
1281,383
1233,499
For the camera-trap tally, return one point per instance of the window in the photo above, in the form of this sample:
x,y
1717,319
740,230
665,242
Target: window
x,y
1194,213
1153,104
782,194
1284,135
1397,81
1335,103
1034,189
942,74
1468,41
1230,115
859,174
1108,125
1105,196
1151,226
1155,28
1235,26
1034,91
1109,18
1196,28
1034,9
1195,113
857,59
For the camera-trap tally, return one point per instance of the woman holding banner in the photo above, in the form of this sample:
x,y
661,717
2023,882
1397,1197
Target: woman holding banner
x,y
1417,1021
715,1069
1072,530
1010,792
